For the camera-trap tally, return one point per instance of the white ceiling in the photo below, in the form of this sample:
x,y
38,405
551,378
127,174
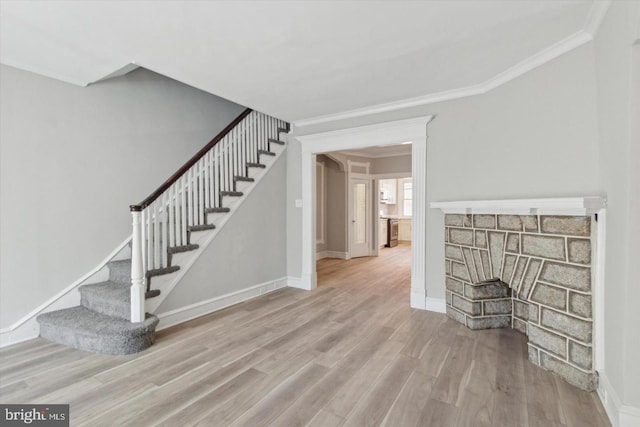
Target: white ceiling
x,y
294,60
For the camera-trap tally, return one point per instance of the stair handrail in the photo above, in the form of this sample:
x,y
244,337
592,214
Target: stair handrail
x,y
192,161
198,186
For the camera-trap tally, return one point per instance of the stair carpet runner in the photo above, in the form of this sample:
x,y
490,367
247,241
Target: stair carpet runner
x,y
102,321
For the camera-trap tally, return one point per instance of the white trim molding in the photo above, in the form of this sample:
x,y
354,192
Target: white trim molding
x,y
323,197
553,206
184,314
586,34
299,283
435,304
387,133
418,299
620,415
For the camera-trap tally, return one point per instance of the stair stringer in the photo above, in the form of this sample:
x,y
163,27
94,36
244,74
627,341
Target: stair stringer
x,y
167,282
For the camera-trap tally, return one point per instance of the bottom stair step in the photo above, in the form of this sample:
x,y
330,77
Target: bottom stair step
x,y
112,299
88,330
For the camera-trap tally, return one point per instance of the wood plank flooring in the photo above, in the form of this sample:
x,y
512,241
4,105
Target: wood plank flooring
x,y
350,353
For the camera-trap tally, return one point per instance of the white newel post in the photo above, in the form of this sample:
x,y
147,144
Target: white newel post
x,y
137,275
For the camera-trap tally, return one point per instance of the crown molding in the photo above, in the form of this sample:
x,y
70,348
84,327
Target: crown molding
x,y
540,58
592,23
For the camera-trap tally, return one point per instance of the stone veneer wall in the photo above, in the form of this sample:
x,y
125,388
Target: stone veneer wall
x,y
546,261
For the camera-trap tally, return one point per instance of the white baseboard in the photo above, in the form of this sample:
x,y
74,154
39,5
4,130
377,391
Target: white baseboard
x,y
619,414
183,314
331,254
435,304
299,283
418,299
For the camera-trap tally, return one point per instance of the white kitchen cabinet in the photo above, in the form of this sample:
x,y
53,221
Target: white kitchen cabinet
x,y
388,191
382,233
404,230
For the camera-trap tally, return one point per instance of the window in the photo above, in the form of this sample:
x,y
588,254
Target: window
x,y
407,196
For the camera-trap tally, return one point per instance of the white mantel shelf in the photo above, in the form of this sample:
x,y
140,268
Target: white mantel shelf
x,y
578,206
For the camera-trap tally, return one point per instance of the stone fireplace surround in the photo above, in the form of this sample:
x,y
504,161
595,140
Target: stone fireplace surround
x,y
528,265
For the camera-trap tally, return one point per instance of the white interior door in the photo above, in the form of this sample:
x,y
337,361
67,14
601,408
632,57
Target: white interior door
x,y
360,226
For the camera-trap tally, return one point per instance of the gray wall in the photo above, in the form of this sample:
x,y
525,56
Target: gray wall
x,y
336,213
563,129
73,159
536,136
618,78
334,210
321,203
249,250
395,164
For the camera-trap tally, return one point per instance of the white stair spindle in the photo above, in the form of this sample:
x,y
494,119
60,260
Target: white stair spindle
x,y
215,175
143,239
156,237
254,139
183,212
212,202
225,164
207,187
164,232
200,171
189,190
172,217
245,143
149,242
137,274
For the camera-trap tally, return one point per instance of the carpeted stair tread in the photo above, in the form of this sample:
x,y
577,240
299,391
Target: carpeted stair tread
x,y
276,141
120,271
86,329
243,179
217,210
110,298
161,271
256,165
231,193
183,248
283,130
202,227
268,153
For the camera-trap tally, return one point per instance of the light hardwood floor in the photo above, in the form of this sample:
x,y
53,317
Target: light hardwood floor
x,y
349,353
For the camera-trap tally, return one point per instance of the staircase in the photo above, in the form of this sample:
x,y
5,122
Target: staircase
x,y
168,227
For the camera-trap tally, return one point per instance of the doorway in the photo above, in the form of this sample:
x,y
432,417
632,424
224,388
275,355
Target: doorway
x,y
389,133
360,234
